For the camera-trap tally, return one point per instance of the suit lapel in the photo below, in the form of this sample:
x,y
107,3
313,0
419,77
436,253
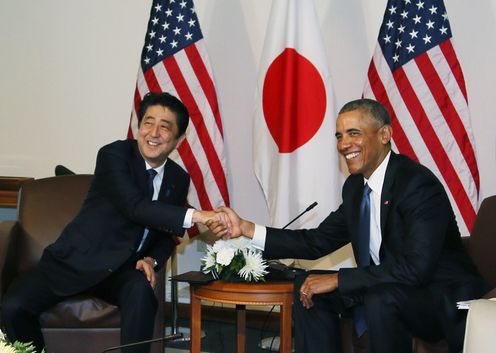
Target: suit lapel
x,y
138,167
355,206
387,194
167,189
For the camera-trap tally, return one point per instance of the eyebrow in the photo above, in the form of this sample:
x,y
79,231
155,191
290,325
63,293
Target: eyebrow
x,y
168,122
348,131
161,121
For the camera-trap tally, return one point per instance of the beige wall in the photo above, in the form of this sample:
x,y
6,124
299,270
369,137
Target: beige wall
x,y
68,70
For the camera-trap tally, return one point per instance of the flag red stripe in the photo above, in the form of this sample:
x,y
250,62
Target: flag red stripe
x,y
195,172
450,55
453,120
205,81
184,93
151,81
130,134
400,139
435,147
137,101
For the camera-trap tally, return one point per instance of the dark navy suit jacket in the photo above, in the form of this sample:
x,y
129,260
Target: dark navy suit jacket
x,y
109,227
421,244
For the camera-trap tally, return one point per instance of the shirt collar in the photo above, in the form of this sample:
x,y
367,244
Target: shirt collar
x,y
159,170
376,180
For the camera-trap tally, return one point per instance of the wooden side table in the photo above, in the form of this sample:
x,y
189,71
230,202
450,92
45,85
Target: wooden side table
x,y
242,294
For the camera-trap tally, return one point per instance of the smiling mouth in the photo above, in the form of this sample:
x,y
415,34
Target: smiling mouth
x,y
351,155
152,143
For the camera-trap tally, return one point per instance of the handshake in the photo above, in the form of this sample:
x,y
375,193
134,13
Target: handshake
x,y
224,223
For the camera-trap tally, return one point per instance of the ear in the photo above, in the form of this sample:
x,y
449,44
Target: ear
x,y
386,134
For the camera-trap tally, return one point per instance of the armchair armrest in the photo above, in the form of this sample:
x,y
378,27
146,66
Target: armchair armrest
x,y
6,233
479,332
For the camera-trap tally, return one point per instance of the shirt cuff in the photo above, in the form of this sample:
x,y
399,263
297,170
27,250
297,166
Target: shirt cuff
x,y
188,218
259,235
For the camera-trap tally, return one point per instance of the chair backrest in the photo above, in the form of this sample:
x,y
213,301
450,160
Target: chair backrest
x,y
482,242
46,206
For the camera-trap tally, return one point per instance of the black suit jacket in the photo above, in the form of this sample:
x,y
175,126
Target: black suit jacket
x,y
109,227
421,244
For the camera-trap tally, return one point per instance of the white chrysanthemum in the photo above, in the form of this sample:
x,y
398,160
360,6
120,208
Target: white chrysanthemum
x,y
219,245
4,348
208,260
239,243
225,255
255,267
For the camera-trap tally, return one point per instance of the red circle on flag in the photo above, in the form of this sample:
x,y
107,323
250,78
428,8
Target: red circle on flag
x,y
293,100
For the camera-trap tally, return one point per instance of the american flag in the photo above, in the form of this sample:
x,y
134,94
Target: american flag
x,y
174,59
415,73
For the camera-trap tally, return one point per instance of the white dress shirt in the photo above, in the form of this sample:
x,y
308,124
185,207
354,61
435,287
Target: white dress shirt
x,y
375,182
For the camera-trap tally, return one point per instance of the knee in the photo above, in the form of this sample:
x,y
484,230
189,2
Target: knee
x,y
140,294
381,299
298,282
11,308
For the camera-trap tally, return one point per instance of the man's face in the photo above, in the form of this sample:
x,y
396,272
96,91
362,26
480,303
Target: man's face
x,y
362,142
157,135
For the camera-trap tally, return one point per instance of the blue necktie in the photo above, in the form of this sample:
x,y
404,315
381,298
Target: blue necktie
x,y
149,182
363,254
150,189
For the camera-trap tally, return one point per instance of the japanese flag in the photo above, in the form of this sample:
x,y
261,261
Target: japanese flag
x,y
295,158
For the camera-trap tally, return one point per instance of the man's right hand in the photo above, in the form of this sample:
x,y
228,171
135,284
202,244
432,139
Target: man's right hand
x,y
238,225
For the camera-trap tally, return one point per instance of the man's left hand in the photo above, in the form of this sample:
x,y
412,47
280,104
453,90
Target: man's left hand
x,y
317,284
147,268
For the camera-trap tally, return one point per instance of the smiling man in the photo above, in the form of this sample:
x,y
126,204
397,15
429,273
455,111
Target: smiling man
x,y
123,233
411,264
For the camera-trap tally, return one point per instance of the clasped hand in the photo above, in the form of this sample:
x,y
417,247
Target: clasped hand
x,y
233,227
217,217
224,223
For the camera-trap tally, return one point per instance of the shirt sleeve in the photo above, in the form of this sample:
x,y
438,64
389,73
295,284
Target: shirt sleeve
x,y
188,218
258,240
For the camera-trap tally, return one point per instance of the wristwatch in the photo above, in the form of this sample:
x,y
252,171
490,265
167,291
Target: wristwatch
x,y
151,260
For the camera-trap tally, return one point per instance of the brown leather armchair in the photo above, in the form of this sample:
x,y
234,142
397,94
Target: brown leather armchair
x,y
80,324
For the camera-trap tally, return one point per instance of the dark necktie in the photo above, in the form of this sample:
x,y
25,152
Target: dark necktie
x,y
363,253
364,228
151,175
149,183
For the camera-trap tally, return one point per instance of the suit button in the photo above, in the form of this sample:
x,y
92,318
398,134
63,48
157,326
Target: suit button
x,y
109,270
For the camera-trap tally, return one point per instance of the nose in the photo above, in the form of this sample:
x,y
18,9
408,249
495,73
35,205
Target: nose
x,y
343,144
155,130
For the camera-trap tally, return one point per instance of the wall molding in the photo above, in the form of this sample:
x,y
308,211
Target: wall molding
x,y
9,190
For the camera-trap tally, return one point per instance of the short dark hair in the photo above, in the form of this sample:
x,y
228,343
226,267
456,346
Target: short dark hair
x,y
167,100
371,107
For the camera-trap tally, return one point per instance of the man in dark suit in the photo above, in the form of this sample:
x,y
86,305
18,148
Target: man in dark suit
x,y
123,233
411,264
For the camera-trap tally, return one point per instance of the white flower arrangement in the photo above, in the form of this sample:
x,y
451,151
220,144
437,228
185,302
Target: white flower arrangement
x,y
16,347
228,259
